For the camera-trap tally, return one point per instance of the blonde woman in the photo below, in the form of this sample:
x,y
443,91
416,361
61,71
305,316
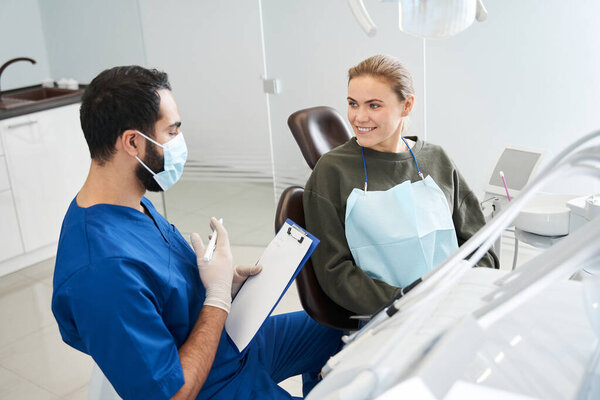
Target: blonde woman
x,y
387,208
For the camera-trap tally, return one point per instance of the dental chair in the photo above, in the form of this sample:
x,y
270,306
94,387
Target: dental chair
x,y
316,130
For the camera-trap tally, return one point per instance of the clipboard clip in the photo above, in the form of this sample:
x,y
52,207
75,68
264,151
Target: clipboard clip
x,y
300,234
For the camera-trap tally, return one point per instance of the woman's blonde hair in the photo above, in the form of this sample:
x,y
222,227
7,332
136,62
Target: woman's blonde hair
x,y
388,68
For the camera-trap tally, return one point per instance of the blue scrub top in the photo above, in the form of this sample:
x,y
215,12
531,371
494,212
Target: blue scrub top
x,y
127,292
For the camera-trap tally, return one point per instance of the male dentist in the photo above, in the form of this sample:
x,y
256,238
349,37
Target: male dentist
x,y
128,289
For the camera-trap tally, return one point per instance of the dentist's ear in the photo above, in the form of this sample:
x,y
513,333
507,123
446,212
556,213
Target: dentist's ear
x,y
129,142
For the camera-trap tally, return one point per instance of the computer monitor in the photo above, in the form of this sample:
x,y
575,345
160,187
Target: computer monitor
x,y
518,165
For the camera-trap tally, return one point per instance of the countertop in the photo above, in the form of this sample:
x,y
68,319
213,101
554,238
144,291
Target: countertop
x,y
40,106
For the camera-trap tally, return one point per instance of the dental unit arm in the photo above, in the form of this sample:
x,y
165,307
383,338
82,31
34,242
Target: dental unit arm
x,y
455,266
559,262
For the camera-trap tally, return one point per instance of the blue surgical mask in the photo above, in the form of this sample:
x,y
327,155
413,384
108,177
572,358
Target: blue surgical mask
x,y
175,154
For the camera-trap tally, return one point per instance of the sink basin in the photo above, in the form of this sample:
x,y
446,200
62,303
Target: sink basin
x,y
41,94
546,215
34,96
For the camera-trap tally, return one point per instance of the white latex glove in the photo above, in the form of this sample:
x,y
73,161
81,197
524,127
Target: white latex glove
x,y
216,274
240,274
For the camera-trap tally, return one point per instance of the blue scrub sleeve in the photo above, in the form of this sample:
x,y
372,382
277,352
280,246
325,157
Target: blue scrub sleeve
x,y
116,308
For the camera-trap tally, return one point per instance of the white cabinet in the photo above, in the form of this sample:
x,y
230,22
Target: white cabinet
x,y
10,236
11,244
47,161
4,182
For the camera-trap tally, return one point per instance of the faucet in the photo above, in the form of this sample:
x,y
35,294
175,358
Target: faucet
x,y
6,64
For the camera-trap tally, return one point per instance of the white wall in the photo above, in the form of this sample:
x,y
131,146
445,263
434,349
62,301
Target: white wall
x,y
22,36
310,45
85,37
212,51
529,76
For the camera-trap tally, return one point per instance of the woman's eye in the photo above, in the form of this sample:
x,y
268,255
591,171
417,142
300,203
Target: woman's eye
x,y
352,104
374,106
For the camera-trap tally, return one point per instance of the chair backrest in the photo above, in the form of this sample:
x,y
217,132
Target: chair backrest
x,y
314,301
318,130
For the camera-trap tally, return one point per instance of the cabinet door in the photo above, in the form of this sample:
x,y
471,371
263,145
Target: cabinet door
x,y
4,182
47,163
10,237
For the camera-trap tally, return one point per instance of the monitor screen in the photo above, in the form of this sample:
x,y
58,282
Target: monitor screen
x,y
517,166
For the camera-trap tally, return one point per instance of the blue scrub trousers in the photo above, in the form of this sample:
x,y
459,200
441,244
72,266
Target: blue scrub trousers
x,y
285,346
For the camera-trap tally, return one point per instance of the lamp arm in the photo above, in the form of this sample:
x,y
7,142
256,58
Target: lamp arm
x,y
481,13
362,16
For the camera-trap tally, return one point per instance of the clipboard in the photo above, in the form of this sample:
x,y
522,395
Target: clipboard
x,y
282,260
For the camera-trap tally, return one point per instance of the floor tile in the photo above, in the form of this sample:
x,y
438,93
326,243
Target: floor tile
x,y
248,209
246,255
41,270
187,223
80,394
192,195
259,235
12,386
27,307
47,281
241,216
157,200
242,230
43,358
12,282
293,386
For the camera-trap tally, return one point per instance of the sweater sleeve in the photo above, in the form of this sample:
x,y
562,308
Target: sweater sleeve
x,y
343,281
468,219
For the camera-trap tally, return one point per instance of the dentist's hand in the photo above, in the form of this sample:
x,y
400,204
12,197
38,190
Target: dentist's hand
x,y
216,274
240,274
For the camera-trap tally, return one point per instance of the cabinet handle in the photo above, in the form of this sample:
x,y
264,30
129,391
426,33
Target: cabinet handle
x,y
24,123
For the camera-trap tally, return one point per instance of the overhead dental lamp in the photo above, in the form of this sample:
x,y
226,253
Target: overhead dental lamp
x,y
431,19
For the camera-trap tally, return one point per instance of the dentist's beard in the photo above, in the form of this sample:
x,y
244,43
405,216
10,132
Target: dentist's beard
x,y
156,163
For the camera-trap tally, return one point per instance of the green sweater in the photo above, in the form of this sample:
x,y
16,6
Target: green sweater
x,y
325,195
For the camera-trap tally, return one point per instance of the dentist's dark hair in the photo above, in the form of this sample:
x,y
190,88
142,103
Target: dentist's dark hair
x,y
119,99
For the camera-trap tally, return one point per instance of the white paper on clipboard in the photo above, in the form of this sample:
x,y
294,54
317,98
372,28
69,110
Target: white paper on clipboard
x,y
260,294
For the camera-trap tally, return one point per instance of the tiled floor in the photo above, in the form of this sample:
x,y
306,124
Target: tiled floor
x,y
36,364
247,209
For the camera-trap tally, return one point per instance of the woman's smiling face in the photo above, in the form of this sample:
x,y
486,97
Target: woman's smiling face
x,y
376,113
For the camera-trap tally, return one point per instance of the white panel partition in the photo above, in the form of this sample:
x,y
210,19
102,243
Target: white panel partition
x,y
212,51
